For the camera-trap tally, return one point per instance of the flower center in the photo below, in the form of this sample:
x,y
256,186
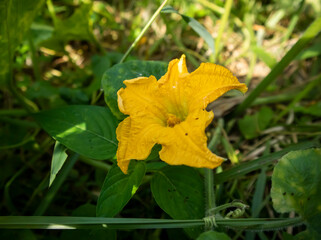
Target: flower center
x,y
172,120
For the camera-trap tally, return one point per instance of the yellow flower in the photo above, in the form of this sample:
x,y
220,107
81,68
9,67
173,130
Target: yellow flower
x,y
172,112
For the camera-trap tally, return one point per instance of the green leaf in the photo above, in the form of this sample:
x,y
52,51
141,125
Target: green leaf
x,y
314,110
58,159
73,95
296,185
267,58
42,89
77,27
265,116
195,25
308,234
87,130
119,188
179,191
16,17
258,197
40,33
211,235
313,51
248,126
99,65
113,79
252,126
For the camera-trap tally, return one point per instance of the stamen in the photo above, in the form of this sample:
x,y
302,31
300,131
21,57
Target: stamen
x,y
172,120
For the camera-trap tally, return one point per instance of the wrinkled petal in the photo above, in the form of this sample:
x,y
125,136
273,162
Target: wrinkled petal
x,y
171,112
136,137
171,88
186,143
207,83
123,138
141,95
176,69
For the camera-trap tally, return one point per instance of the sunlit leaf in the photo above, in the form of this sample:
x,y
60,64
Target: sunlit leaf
x,y
87,130
58,159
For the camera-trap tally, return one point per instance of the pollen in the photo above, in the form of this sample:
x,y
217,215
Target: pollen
x,y
172,120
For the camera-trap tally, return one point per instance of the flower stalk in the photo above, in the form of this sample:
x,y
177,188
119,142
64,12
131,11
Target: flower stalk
x,y
208,173
52,222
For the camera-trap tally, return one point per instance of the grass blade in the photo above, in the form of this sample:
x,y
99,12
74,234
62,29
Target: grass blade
x,y
308,35
247,167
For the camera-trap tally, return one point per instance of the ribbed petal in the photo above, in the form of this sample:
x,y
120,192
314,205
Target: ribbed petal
x,y
136,137
141,96
207,83
176,69
171,88
186,143
172,112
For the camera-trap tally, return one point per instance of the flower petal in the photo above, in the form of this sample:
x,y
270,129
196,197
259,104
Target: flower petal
x,y
207,83
172,88
172,112
136,136
123,137
186,143
141,96
176,69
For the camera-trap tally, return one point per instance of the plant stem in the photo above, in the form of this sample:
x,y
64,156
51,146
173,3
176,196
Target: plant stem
x,y
208,173
97,164
143,31
212,6
52,13
28,104
13,112
209,190
226,14
228,205
34,57
52,222
216,135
